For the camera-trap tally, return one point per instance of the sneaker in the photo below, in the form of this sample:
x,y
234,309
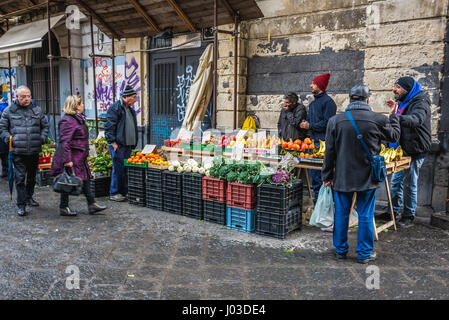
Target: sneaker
x,y
95,207
340,256
21,211
406,222
117,197
66,212
372,257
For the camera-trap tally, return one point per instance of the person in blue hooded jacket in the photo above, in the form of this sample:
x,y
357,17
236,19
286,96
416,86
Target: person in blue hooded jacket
x,y
4,149
416,137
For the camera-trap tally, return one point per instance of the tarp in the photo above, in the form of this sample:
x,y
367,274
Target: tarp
x,y
26,36
200,91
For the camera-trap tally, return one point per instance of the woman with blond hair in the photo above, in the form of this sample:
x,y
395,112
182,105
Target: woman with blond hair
x,y
72,153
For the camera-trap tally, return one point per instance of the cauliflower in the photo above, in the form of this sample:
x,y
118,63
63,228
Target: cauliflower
x,y
171,168
187,168
192,163
202,170
175,163
195,169
208,165
207,173
180,169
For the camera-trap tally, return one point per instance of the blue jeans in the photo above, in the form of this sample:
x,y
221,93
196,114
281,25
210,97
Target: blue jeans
x,y
315,176
366,202
408,177
119,179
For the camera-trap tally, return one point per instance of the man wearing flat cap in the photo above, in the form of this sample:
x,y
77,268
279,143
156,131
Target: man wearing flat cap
x,y
121,134
413,106
347,168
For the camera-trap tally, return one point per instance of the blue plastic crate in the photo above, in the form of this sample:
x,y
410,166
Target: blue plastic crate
x,y
241,219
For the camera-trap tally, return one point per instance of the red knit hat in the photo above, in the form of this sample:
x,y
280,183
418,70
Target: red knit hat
x,y
322,81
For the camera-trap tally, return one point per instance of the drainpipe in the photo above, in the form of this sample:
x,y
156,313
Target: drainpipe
x,y
236,46
93,73
214,99
50,57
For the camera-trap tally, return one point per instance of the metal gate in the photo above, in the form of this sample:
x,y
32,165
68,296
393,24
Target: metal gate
x,y
171,76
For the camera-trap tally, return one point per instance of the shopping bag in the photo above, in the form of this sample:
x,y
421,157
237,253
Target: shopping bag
x,y
323,214
65,183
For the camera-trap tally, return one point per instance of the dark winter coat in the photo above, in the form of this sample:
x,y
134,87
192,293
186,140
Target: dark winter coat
x,y
4,148
344,152
114,130
320,111
288,123
28,127
415,126
73,147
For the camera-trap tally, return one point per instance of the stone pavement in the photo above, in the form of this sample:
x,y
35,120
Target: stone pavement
x,y
137,253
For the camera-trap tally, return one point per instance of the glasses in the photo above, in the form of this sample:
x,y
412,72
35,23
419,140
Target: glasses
x,y
24,96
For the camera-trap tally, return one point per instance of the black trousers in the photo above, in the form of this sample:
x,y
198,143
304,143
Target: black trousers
x,y
25,168
5,164
87,193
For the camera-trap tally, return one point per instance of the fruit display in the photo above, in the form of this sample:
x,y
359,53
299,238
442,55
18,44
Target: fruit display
x,y
298,145
172,143
150,158
318,152
391,154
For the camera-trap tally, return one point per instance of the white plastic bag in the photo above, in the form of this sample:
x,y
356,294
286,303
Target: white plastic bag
x,y
323,214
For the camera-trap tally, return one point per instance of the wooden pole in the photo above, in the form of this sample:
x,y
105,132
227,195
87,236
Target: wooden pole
x,y
50,57
93,74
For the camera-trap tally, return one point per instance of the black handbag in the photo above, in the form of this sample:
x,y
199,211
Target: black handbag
x,y
65,183
378,166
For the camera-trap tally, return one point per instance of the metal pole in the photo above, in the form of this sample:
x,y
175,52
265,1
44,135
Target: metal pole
x,y
113,70
236,41
70,60
9,65
93,73
214,99
50,57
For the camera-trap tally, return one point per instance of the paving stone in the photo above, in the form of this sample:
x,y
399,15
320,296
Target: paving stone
x,y
187,263
101,293
220,274
270,293
137,295
225,291
60,291
180,293
135,284
109,276
182,277
156,259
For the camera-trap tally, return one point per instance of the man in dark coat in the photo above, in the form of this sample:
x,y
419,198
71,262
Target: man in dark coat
x,y
414,116
348,169
121,134
320,111
26,123
291,115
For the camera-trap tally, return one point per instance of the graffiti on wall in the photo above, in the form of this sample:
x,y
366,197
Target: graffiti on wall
x,y
5,86
161,130
183,88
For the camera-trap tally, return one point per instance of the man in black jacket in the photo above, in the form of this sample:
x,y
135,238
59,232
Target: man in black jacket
x,y
121,134
291,115
348,169
414,115
26,123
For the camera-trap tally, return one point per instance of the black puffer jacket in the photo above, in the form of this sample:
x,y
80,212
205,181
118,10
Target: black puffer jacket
x,y
288,123
28,127
344,152
416,134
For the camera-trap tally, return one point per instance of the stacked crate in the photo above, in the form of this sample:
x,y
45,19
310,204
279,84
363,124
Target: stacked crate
x,y
136,185
214,196
192,202
279,209
100,186
241,200
154,193
172,189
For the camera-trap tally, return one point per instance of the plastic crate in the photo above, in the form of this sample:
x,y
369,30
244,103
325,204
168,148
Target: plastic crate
x,y
196,146
192,207
172,182
100,186
155,199
136,176
154,179
128,164
186,145
43,160
214,189
192,184
278,225
214,212
241,219
241,195
207,147
137,197
279,199
172,203
44,178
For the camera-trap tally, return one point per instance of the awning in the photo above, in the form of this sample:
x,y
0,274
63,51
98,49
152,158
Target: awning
x,y
26,36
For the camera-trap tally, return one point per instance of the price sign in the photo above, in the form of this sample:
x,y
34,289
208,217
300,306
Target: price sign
x,y
149,148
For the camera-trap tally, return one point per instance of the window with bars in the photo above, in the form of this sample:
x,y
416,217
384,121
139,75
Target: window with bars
x,y
165,89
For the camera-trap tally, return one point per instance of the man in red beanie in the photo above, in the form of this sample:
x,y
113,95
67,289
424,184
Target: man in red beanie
x,y
320,111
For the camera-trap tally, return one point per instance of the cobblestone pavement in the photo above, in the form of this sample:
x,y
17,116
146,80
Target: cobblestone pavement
x,y
136,253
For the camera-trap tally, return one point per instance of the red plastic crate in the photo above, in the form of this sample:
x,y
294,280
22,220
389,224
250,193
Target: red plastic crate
x,y
44,160
241,196
214,189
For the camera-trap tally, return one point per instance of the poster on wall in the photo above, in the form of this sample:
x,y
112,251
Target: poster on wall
x,y
5,97
126,72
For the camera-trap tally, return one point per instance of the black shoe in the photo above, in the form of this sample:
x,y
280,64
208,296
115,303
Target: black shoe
x,y
372,257
67,212
387,216
406,222
95,207
340,256
21,211
31,202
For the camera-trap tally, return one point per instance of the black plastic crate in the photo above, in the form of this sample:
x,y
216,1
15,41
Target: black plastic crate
x,y
43,178
136,176
192,184
137,197
192,207
278,225
155,199
172,182
214,212
279,199
154,178
172,203
100,186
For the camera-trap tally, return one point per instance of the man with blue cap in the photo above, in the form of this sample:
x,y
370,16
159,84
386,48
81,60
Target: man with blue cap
x,y
416,137
121,134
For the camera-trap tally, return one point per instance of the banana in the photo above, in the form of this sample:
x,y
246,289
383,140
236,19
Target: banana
x,y
392,154
399,153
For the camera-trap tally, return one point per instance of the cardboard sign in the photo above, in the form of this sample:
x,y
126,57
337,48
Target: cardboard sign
x,y
92,151
206,136
149,148
185,135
